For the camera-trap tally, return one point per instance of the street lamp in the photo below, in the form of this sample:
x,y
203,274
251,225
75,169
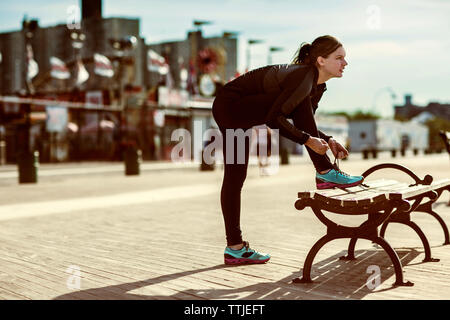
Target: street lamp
x,y
78,39
226,35
199,23
271,50
196,42
249,43
131,154
28,161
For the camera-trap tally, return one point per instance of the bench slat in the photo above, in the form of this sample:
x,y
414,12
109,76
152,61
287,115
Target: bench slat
x,y
358,195
372,192
326,193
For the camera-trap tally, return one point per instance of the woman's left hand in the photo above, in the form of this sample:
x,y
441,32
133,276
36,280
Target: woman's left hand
x,y
338,149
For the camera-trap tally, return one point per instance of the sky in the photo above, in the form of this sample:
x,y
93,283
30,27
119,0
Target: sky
x,y
392,47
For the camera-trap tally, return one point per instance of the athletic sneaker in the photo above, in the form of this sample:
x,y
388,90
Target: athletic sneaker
x,y
244,256
335,178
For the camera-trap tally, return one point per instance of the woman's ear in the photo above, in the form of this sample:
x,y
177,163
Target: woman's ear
x,y
320,61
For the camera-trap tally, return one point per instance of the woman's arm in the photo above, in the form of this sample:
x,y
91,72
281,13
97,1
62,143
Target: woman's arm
x,y
291,96
324,136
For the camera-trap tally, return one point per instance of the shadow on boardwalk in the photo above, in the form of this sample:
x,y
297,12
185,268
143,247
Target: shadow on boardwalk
x,y
333,279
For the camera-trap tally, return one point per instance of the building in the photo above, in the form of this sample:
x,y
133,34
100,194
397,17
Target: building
x,y
409,110
135,106
435,115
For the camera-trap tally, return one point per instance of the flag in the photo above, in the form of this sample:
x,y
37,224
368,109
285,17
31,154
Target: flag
x,y
58,69
103,66
82,74
156,63
33,68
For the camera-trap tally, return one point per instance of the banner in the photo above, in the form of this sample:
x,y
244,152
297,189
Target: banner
x,y
94,98
58,69
156,63
82,74
57,118
33,68
103,66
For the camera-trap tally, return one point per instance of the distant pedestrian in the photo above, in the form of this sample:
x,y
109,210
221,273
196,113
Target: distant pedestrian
x,y
263,144
271,95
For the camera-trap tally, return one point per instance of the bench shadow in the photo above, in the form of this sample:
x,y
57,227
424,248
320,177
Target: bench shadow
x,y
332,279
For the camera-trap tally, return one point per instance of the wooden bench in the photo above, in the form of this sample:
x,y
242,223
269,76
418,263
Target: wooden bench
x,y
445,135
383,201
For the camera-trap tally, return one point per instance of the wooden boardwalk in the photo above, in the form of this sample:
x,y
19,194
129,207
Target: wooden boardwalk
x,y
169,246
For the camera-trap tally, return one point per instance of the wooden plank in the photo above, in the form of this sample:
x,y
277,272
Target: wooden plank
x,y
377,190
362,198
336,191
321,194
358,195
440,183
409,192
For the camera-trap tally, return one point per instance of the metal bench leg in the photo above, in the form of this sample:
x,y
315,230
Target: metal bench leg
x,y
443,225
441,222
310,258
383,229
423,238
395,260
426,244
351,250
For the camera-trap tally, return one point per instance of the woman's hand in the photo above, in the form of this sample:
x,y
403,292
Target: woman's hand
x,y
318,145
338,149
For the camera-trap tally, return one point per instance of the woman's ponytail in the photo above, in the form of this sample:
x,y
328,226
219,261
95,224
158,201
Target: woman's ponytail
x,y
321,46
303,54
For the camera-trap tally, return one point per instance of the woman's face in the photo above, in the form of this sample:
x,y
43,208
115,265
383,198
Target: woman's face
x,y
334,64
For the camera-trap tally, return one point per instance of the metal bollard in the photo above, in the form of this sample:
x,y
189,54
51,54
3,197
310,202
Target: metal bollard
x,y
2,152
365,154
28,163
284,156
205,166
132,158
375,153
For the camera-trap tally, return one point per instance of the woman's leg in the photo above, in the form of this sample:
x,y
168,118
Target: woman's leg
x,y
304,120
234,176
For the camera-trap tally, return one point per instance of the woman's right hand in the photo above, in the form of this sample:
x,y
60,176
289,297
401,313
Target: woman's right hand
x,y
318,145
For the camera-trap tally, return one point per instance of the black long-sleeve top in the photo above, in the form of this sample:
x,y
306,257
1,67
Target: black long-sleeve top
x,y
294,83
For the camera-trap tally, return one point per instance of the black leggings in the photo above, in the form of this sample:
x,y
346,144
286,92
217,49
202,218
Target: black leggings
x,y
235,172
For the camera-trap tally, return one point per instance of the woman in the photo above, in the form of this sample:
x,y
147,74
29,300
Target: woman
x,y
270,95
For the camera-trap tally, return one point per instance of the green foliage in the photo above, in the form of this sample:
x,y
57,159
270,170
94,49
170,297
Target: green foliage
x,y
357,115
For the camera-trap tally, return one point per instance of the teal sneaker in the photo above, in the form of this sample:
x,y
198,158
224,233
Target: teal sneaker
x,y
244,256
335,178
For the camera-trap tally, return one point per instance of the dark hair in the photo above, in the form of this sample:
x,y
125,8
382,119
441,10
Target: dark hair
x,y
320,47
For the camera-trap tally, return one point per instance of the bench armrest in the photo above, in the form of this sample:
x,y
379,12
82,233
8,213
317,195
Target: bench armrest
x,y
427,180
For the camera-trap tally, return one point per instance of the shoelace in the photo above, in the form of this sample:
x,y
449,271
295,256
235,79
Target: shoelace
x,y
336,167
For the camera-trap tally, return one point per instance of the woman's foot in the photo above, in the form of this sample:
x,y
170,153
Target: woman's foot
x,y
245,255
